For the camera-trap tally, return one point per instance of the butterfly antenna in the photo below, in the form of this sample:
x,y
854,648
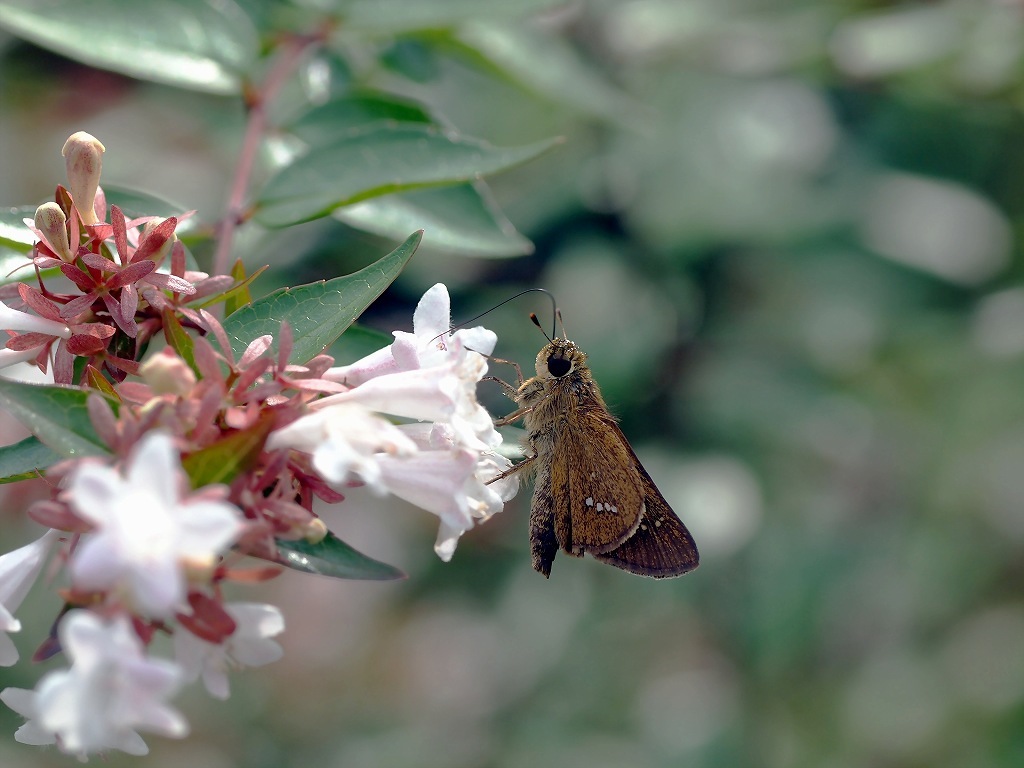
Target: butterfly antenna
x,y
533,317
554,310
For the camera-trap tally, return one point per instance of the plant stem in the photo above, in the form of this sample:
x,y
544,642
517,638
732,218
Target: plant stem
x,y
291,54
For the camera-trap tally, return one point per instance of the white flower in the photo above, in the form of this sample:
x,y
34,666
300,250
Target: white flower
x,y
344,441
146,534
23,701
429,344
426,375
18,572
441,393
16,320
109,693
440,464
250,645
473,498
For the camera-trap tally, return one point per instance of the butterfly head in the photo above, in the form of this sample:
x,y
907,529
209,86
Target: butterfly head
x,y
559,358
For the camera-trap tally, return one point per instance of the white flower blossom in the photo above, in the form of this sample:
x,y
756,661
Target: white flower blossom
x,y
16,320
31,732
147,535
344,441
18,572
476,498
440,393
441,464
250,645
110,692
429,343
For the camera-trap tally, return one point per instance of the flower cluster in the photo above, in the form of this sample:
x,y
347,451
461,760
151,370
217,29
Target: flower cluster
x,y
200,459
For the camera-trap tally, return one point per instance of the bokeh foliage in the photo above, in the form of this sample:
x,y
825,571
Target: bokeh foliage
x,y
787,235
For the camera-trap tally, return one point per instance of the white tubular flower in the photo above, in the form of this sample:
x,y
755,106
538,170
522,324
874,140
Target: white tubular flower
x,y
443,393
31,732
432,480
429,344
477,498
16,320
147,535
110,692
250,645
439,464
18,572
344,441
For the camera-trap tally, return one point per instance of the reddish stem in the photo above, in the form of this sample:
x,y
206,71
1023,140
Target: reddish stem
x,y
292,51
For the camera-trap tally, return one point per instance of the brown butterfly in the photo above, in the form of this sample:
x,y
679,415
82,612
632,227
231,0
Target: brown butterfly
x,y
591,494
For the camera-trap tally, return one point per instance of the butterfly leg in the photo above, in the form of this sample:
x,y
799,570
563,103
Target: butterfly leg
x,y
508,389
514,416
511,391
513,469
515,365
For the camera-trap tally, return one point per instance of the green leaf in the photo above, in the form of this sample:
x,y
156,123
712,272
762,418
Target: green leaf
x,y
13,232
224,460
548,65
358,342
376,162
396,15
238,295
135,203
178,339
25,459
16,268
56,415
318,313
323,124
455,219
333,557
205,45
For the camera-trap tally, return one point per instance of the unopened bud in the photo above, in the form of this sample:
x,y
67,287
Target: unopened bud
x,y
165,247
52,223
83,156
315,531
198,568
168,374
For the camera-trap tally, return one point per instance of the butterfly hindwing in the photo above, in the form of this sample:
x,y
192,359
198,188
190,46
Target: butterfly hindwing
x,y
661,546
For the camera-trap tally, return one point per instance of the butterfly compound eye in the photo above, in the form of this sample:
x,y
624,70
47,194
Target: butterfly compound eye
x,y
558,366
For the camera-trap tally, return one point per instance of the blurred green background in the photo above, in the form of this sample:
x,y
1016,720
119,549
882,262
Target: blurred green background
x,y
786,233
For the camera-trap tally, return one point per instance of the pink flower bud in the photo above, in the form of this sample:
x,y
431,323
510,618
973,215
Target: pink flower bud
x,y
83,156
52,223
164,248
168,374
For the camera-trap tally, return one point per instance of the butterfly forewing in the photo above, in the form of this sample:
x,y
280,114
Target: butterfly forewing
x,y
600,494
